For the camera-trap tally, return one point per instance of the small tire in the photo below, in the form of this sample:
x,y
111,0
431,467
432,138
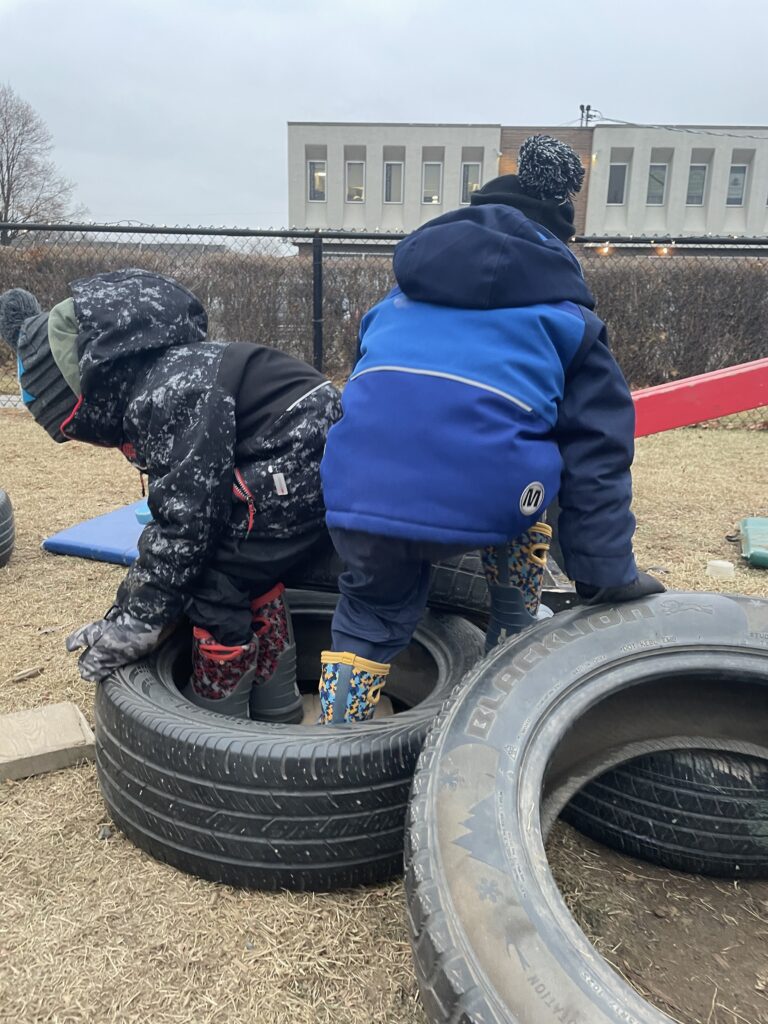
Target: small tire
x,y
273,806
701,811
7,529
492,938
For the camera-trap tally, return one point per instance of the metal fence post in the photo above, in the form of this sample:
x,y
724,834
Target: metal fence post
x,y
317,301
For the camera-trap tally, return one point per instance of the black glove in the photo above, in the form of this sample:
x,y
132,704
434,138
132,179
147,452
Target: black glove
x,y
641,587
115,640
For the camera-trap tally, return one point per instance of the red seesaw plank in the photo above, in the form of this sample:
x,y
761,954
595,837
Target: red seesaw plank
x,y
706,397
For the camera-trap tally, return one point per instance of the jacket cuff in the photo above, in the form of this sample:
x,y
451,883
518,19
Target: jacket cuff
x,y
601,571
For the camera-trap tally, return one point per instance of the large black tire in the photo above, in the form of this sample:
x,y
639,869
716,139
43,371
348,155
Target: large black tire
x,y
701,811
492,937
7,529
273,806
458,584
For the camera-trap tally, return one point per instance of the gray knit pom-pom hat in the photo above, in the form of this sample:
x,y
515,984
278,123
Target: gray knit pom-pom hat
x,y
16,306
549,169
549,173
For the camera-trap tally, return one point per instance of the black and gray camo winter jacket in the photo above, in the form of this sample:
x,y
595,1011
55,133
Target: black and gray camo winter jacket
x,y
229,434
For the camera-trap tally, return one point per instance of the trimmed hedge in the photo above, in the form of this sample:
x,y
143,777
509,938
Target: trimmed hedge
x,y
668,317
679,316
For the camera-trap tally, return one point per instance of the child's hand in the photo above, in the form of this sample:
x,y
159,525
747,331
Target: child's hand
x,y
643,586
115,640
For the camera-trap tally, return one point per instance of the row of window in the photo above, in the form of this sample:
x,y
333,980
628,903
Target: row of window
x,y
657,184
393,178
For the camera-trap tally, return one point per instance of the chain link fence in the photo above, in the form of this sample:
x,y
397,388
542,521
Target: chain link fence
x,y
672,309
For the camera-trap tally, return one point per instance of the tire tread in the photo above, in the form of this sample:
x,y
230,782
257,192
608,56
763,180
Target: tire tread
x,y
7,529
699,811
258,805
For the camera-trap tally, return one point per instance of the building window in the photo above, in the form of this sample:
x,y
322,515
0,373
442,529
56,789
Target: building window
x,y
393,181
355,181
470,180
697,181
617,184
432,182
657,184
316,177
737,180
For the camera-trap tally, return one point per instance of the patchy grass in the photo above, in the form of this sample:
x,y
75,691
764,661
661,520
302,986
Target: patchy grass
x,y
91,929
693,946
691,489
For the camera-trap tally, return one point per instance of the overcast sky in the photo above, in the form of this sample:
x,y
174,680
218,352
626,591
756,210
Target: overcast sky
x,y
175,111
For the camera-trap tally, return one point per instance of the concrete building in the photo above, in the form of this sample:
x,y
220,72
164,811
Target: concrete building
x,y
674,180
678,180
387,177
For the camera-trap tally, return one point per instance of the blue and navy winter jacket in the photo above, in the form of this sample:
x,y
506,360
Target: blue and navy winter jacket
x,y
484,390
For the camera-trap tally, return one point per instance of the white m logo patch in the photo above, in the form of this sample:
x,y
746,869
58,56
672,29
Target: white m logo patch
x,y
532,498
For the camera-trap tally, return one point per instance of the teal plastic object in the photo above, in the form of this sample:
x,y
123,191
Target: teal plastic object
x,y
754,540
143,515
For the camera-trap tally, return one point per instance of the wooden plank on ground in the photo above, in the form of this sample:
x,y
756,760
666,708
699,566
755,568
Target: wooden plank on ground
x,y
43,740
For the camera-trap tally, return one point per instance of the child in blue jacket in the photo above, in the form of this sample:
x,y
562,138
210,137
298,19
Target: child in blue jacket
x,y
485,390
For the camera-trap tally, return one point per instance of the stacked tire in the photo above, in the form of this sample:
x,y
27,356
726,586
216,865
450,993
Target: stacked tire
x,y
277,806
508,743
700,811
7,529
544,716
273,806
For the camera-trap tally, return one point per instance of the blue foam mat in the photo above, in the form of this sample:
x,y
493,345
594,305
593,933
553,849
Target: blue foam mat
x,y
112,537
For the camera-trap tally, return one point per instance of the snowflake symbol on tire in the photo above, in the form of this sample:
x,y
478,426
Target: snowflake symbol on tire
x,y
450,779
488,890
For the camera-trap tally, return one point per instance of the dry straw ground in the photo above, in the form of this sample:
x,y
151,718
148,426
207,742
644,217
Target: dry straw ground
x,y
92,930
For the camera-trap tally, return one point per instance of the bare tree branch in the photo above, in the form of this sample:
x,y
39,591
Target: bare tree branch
x,y
31,189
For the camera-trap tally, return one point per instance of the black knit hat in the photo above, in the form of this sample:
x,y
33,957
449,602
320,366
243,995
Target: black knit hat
x,y
549,173
43,388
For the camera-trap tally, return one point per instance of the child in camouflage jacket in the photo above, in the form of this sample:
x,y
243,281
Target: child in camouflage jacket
x,y
230,436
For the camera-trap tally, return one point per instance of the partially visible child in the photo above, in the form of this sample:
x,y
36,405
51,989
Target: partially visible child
x,y
485,391
230,436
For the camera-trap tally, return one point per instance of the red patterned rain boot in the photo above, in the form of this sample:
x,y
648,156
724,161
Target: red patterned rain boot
x,y
222,676
275,696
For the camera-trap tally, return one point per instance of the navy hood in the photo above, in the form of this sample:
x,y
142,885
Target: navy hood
x,y
488,257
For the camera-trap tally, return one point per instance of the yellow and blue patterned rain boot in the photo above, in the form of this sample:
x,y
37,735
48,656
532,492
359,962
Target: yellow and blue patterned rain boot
x,y
515,574
350,687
